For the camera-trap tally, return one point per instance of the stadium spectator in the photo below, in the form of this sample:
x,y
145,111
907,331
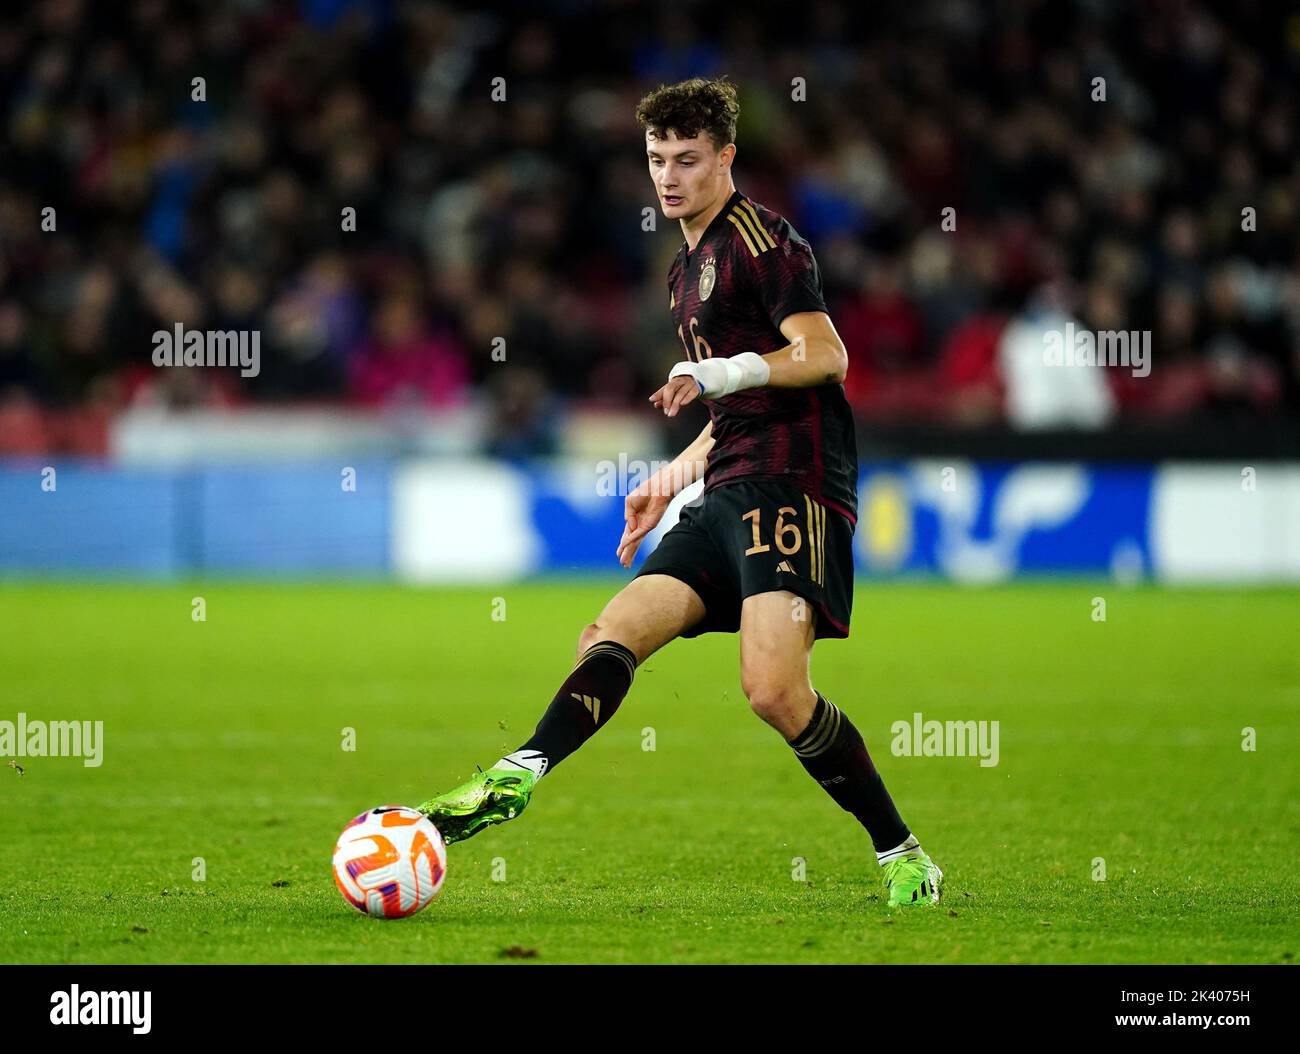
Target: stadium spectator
x,y
1173,204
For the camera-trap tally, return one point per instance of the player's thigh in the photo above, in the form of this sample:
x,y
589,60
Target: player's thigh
x,y
645,615
777,630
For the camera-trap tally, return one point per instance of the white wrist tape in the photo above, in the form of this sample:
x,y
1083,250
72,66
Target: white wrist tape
x,y
719,377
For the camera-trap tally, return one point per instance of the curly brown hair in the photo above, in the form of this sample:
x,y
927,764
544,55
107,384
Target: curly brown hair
x,y
690,107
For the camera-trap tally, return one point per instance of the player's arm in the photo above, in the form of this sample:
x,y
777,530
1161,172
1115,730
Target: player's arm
x,y
815,355
645,505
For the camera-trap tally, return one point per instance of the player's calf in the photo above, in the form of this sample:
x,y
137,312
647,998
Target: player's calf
x,y
587,699
833,752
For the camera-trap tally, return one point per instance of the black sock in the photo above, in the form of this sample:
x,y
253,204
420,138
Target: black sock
x,y
833,752
584,703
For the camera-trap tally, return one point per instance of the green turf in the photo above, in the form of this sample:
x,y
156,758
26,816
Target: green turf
x,y
1119,740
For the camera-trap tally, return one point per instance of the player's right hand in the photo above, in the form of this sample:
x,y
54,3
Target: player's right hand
x,y
641,511
678,392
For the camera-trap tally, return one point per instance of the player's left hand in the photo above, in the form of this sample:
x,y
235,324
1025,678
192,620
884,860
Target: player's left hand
x,y
642,511
678,392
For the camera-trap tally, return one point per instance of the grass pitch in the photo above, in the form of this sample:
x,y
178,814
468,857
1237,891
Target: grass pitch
x,y
1119,740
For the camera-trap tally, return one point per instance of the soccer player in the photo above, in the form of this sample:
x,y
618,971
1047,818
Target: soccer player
x,y
768,550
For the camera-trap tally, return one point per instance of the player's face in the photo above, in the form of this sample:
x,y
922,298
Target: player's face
x,y
688,174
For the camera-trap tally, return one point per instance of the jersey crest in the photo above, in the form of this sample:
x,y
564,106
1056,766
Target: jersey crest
x,y
708,278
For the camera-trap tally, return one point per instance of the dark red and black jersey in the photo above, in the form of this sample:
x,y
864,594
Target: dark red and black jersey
x,y
729,295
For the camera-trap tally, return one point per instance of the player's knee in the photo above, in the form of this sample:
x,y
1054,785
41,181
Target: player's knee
x,y
778,703
590,635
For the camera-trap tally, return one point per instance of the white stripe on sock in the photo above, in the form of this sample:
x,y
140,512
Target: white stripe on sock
x,y
532,760
908,847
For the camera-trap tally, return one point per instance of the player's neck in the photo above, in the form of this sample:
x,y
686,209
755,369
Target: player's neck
x,y
693,229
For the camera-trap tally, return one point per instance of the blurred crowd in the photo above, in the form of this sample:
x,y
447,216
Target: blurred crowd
x,y
1126,166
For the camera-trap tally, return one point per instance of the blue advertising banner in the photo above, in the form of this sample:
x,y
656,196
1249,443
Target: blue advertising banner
x,y
453,520
989,522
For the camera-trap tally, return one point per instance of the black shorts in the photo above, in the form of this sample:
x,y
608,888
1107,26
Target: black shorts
x,y
746,538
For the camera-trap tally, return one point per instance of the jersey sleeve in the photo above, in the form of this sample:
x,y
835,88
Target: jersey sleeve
x,y
784,278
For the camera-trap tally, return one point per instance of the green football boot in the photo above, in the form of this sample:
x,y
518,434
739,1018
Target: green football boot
x,y
913,880
489,797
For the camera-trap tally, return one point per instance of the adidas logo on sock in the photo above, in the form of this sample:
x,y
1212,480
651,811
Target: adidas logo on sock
x,y
591,703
